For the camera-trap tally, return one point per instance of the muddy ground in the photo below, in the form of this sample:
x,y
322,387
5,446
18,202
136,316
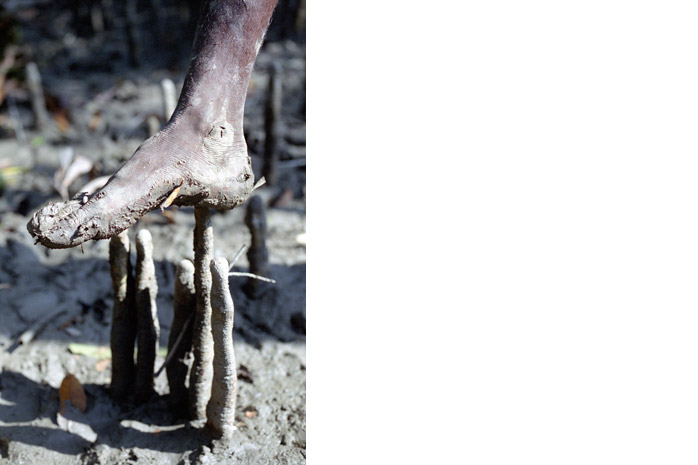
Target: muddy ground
x,y
100,106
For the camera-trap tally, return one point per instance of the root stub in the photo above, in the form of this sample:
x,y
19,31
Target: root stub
x,y
221,408
202,341
123,330
147,316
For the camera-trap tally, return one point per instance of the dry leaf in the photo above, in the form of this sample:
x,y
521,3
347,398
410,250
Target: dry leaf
x,y
169,216
72,167
62,121
71,390
102,365
170,198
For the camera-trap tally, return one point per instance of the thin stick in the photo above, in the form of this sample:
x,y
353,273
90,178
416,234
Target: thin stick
x,y
251,275
237,256
171,351
260,182
27,336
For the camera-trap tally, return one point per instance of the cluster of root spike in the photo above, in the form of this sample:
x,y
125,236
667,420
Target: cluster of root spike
x,y
202,325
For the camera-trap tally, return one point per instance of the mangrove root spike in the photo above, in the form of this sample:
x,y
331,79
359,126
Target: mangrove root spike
x,y
123,326
201,372
147,317
221,408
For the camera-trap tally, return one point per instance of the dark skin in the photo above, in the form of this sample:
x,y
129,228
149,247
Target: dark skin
x,y
200,157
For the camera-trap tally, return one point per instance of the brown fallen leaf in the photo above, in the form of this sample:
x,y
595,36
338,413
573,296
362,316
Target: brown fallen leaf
x,y
71,390
62,120
102,365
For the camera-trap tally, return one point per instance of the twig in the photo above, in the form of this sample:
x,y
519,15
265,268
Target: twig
x,y
237,256
251,275
35,329
171,351
260,182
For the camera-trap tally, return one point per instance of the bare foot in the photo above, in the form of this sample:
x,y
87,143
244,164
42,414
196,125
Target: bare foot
x,y
199,158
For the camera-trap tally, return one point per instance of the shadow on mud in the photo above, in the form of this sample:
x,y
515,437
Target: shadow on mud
x,y
82,288
119,426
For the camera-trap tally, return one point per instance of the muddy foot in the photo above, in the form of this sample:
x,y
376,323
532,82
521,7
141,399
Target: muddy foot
x,y
199,158
214,171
